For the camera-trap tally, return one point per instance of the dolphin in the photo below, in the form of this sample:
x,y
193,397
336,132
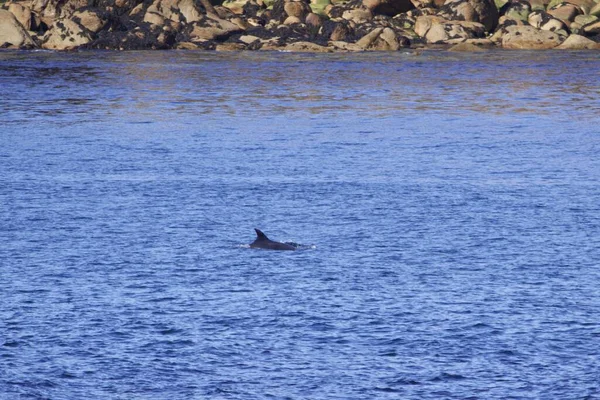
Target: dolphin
x,y
263,242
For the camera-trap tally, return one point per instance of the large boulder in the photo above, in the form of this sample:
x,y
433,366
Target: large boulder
x,y
483,11
517,10
12,33
382,39
299,9
566,12
181,11
388,7
435,29
92,20
212,28
65,34
577,42
545,21
528,37
22,13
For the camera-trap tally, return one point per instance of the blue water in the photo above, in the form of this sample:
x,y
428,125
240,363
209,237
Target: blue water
x,y
448,204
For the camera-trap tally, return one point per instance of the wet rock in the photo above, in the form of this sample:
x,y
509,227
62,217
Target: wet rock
x,y
307,47
388,7
528,37
345,46
482,11
230,47
545,21
577,42
466,47
186,46
12,33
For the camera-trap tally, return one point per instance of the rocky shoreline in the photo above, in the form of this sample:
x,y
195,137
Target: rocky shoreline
x,y
299,25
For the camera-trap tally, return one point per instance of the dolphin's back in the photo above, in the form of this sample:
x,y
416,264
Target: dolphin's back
x,y
263,242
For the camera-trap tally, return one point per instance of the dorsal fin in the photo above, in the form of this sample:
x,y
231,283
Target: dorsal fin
x,y
260,235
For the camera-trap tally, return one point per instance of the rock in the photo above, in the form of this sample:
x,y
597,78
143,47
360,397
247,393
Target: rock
x,y
482,11
230,47
318,6
565,12
388,7
65,34
528,37
298,9
358,15
585,19
212,28
12,33
186,46
592,28
466,47
181,11
595,11
306,47
585,5
345,46
545,21
517,10
89,19
248,39
292,20
154,18
313,19
340,31
22,14
577,42
438,30
538,5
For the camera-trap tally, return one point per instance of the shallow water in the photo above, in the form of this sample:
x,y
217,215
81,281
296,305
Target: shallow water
x,y
447,204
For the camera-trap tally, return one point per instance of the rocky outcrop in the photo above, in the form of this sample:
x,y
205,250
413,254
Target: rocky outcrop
x,y
299,25
12,33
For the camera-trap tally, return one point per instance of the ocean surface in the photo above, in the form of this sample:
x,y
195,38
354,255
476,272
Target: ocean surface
x,y
447,206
